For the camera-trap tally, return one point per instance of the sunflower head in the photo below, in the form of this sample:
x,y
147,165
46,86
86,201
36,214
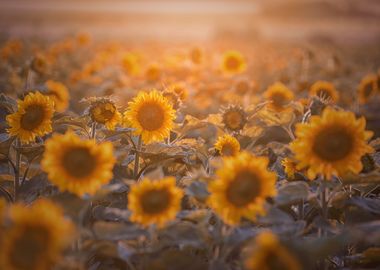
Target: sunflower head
x,y
289,167
76,165
233,62
152,116
242,185
153,72
367,88
131,63
103,111
35,238
242,87
324,90
227,145
180,89
234,118
173,99
39,64
331,144
154,202
279,96
59,93
33,117
196,55
268,253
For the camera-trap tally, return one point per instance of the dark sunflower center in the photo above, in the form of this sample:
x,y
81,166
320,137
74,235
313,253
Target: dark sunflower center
x,y
232,63
333,143
33,117
79,162
155,201
227,149
151,116
234,120
29,248
324,93
368,89
279,99
243,189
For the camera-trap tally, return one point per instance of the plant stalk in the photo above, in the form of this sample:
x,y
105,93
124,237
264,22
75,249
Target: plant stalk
x,y
137,158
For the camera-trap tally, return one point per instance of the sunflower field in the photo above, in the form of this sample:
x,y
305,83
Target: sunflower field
x,y
235,154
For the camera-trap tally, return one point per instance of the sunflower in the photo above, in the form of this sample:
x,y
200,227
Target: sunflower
x,y
103,111
153,72
367,88
233,63
173,99
268,253
76,165
241,188
331,144
154,202
290,167
39,64
234,118
59,93
36,238
152,115
131,64
324,90
242,87
196,55
180,90
279,96
33,117
227,145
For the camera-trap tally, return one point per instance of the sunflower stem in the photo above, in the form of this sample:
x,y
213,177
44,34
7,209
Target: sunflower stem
x,y
137,158
17,169
323,197
93,130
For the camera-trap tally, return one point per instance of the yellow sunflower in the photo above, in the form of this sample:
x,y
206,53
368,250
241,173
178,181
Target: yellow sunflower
x,y
131,63
76,165
242,185
331,144
59,93
153,72
152,116
290,167
233,63
33,117
268,253
279,96
227,145
104,111
36,237
234,118
325,90
180,90
367,88
154,202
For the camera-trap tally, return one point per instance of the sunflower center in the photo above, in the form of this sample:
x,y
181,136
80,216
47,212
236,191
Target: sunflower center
x,y
155,201
333,143
33,117
232,63
279,100
151,116
234,120
323,93
243,189
29,248
227,150
79,162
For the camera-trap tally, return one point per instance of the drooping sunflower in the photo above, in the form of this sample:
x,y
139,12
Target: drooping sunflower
x,y
367,88
234,118
242,185
180,90
152,116
279,96
76,165
233,62
59,93
331,144
33,117
227,145
153,72
268,253
325,90
154,202
36,237
103,111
